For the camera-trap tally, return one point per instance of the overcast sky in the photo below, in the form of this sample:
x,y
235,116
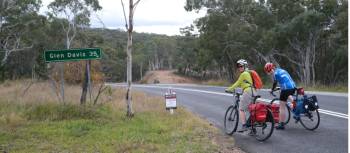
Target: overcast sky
x,y
151,16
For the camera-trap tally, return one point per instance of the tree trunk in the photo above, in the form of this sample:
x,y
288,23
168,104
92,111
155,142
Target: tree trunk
x,y
155,61
130,111
170,62
141,71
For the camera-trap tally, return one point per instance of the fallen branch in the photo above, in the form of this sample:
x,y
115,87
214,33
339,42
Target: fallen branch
x,y
27,88
100,90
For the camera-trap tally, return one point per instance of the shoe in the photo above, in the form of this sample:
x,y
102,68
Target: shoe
x,y
252,132
280,126
244,128
297,118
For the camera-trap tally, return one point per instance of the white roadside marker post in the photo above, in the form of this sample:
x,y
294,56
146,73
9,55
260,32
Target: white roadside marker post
x,y
170,100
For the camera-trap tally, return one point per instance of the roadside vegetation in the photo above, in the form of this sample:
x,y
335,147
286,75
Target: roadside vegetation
x,y
329,88
36,122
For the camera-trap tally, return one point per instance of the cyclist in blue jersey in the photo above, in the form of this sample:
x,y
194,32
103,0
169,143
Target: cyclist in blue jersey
x,y
287,88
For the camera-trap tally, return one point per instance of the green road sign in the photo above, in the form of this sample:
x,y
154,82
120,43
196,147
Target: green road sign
x,y
72,54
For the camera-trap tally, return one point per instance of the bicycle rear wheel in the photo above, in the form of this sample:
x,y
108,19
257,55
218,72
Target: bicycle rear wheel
x,y
231,120
264,130
310,120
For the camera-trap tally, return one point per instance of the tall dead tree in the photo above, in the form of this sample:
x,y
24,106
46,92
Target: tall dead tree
x,y
129,24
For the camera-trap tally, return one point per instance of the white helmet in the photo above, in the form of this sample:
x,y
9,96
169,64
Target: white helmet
x,y
242,62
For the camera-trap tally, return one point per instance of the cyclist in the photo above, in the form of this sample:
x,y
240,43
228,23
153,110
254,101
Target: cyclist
x,y
242,66
287,88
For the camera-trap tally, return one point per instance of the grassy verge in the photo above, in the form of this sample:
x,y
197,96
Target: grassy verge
x,y
332,88
35,124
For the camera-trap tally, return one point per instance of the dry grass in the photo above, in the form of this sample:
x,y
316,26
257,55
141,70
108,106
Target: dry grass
x,y
141,102
152,129
44,92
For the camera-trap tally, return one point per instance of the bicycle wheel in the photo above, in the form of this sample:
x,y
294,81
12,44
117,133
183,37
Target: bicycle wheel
x,y
287,115
264,130
310,120
231,120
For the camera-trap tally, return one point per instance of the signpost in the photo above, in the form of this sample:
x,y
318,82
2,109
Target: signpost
x,y
73,55
170,100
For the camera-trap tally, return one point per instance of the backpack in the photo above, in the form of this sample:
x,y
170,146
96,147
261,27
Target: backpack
x,y
256,79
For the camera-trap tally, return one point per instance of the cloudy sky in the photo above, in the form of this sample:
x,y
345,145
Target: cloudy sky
x,y
151,16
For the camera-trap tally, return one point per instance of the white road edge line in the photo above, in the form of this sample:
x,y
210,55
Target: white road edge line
x,y
336,114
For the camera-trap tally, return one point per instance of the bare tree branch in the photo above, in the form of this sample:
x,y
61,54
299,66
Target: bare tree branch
x,y
135,5
137,2
260,55
100,90
15,47
287,57
27,88
126,21
294,46
100,20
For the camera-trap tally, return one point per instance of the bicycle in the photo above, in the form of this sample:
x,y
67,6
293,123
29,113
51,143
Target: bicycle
x,y
304,111
260,123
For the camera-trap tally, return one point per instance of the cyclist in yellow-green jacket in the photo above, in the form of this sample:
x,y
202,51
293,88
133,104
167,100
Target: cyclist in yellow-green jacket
x,y
242,66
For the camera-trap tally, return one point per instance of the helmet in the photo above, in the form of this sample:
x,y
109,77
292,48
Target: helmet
x,y
242,62
268,67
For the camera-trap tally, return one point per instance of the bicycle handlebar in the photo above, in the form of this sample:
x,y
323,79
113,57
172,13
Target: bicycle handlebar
x,y
276,89
227,91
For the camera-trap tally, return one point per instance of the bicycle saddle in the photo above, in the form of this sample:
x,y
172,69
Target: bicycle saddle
x,y
256,97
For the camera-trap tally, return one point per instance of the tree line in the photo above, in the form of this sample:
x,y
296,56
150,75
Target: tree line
x,y
308,38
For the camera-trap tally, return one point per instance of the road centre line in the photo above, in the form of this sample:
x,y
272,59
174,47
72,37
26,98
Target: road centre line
x,y
336,114
326,112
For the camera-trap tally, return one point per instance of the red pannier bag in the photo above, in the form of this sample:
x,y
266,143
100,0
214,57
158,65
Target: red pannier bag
x,y
258,112
275,108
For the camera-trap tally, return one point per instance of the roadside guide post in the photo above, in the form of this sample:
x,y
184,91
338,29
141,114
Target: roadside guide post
x,y
170,100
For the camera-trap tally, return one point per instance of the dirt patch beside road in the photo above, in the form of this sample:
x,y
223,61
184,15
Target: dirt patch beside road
x,y
166,76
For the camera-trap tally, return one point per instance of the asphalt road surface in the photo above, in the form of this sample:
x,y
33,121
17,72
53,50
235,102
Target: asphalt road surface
x,y
211,103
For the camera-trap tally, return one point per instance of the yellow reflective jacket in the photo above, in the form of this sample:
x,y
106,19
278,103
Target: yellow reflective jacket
x,y
240,82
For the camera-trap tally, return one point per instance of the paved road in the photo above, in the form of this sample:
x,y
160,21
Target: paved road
x,y
211,102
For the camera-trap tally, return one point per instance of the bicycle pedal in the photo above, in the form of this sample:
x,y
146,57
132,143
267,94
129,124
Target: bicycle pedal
x,y
251,133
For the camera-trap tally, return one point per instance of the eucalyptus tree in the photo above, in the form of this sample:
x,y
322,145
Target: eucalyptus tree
x,y
299,36
16,17
129,25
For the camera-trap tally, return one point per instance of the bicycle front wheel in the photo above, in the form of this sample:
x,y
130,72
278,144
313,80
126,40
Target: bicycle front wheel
x,y
310,120
231,120
264,130
287,113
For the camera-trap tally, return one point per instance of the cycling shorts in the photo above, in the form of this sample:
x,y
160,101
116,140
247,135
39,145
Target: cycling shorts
x,y
285,93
